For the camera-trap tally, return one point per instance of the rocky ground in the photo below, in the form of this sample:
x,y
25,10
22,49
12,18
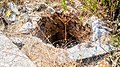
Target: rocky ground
x,y
41,34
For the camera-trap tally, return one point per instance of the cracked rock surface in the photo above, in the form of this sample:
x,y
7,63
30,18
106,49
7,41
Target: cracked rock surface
x,y
11,56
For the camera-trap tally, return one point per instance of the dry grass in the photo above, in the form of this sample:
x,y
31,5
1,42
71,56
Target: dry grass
x,y
46,56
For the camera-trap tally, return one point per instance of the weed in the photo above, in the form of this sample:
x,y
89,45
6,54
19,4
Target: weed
x,y
64,5
108,9
116,39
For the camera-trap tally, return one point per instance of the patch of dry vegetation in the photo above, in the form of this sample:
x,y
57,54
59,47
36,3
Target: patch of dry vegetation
x,y
67,28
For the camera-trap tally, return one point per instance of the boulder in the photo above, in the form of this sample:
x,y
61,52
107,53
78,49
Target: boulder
x,y
11,56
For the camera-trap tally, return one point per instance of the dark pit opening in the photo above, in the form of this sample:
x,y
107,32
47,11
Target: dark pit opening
x,y
62,31
62,43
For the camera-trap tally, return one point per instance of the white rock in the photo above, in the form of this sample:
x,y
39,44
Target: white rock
x,y
74,53
11,56
13,7
26,28
50,10
35,19
97,28
12,17
40,7
81,52
97,47
17,41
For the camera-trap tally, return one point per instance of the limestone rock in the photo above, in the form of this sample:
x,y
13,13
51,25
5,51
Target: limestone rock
x,y
40,7
50,10
44,54
26,28
86,50
17,41
12,17
13,7
11,56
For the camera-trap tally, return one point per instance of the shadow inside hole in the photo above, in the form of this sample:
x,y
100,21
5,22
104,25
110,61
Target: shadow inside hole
x,y
59,42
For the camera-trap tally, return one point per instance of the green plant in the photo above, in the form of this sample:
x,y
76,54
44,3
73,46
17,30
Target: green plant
x,y
91,5
64,5
108,9
116,39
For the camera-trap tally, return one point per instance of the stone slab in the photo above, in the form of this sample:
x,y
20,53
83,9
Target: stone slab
x,y
11,56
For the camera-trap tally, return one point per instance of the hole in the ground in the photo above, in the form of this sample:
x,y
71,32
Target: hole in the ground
x,y
61,42
62,31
